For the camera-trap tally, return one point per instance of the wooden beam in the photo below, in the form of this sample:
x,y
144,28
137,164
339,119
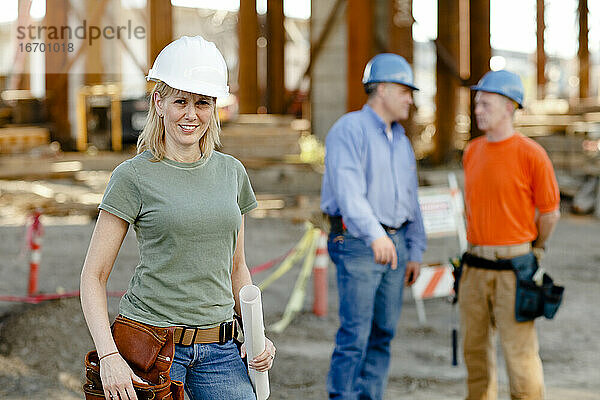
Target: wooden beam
x,y
583,54
94,69
540,51
57,84
248,60
68,62
447,80
19,76
361,36
400,41
160,32
400,28
480,50
275,57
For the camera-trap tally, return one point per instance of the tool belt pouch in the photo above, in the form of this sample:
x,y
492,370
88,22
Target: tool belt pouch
x,y
533,301
165,389
149,351
142,345
552,295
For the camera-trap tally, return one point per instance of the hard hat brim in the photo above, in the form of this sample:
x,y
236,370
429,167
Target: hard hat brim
x,y
185,87
412,87
477,88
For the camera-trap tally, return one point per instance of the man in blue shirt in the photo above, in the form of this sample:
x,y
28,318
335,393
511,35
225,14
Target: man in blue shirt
x,y
377,237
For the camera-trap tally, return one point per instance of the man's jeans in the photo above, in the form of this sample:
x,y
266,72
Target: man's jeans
x,y
370,296
212,371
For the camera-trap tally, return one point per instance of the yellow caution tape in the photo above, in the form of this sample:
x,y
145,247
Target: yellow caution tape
x,y
296,254
297,297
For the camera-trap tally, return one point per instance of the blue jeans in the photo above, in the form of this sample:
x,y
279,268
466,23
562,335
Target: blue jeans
x,y
212,372
370,296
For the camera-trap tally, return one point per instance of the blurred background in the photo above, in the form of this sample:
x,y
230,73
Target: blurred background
x,y
74,69
72,72
72,82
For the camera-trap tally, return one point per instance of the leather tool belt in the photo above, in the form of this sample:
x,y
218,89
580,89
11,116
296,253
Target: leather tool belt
x,y
221,334
165,389
149,351
337,225
479,262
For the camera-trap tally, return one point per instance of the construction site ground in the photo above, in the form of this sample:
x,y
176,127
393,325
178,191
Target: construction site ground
x,y
42,345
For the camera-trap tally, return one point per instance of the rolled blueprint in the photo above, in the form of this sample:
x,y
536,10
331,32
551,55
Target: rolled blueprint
x,y
254,336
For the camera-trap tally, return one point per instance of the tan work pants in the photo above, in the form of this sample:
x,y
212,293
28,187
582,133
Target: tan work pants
x,y
487,303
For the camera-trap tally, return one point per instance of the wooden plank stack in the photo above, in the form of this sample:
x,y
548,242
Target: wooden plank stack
x,y
264,137
19,139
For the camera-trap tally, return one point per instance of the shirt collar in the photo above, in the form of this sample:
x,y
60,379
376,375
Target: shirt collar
x,y
376,119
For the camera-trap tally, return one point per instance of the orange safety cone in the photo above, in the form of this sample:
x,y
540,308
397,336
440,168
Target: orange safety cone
x,y
320,276
34,238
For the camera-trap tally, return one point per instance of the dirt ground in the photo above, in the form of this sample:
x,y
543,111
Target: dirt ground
x,y
42,346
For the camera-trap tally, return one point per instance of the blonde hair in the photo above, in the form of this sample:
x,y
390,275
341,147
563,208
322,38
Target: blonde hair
x,y
152,137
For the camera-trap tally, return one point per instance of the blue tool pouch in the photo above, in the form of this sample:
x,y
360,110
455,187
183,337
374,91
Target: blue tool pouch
x,y
534,301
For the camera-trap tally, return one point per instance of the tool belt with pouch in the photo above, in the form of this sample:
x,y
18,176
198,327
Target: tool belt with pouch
x,y
149,351
221,334
532,299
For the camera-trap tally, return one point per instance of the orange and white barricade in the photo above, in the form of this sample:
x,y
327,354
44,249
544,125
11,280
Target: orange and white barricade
x,y
433,281
443,216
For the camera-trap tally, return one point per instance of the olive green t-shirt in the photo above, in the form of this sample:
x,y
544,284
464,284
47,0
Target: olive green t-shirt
x,y
186,218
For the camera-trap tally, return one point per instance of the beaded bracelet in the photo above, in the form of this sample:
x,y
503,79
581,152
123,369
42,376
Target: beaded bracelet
x,y
106,355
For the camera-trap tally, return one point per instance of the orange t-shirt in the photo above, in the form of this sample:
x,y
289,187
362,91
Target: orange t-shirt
x,y
504,183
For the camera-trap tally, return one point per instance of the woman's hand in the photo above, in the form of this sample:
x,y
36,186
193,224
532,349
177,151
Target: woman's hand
x,y
117,378
264,361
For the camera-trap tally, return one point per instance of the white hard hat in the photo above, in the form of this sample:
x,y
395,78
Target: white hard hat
x,y
191,64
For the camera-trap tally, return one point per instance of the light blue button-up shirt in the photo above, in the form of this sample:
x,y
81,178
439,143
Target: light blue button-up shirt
x,y
370,180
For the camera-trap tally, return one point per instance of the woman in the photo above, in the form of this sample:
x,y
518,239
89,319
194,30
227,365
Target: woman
x,y
186,203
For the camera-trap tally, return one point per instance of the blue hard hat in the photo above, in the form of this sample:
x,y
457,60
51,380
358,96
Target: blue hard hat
x,y
389,67
502,82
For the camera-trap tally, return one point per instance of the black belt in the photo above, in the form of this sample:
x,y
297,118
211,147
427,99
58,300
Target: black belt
x,y
337,225
479,262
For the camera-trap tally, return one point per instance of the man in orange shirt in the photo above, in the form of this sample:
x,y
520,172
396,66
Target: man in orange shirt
x,y
512,204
